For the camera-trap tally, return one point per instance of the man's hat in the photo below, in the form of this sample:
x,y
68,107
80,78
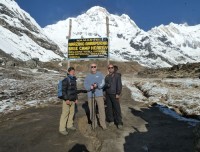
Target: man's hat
x,y
70,69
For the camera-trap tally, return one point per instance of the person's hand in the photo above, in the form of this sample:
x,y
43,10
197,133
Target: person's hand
x,y
117,96
67,102
91,87
95,85
76,101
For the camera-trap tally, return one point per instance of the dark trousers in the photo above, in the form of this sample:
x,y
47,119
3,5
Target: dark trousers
x,y
113,109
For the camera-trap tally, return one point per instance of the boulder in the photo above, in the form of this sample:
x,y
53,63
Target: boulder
x,y
2,61
36,59
11,64
31,63
42,70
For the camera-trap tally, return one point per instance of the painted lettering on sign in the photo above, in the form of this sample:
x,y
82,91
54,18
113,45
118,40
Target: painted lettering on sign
x,y
88,48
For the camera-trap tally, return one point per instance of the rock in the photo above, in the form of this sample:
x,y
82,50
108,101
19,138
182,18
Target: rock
x,y
11,64
2,61
31,64
175,68
197,70
42,70
36,59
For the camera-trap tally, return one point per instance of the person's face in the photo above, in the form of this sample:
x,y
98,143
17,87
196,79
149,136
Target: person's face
x,y
72,72
93,68
110,68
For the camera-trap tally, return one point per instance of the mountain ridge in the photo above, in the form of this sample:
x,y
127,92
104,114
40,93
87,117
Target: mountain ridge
x,y
162,46
154,48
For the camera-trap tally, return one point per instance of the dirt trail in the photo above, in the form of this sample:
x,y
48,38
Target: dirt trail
x,y
145,129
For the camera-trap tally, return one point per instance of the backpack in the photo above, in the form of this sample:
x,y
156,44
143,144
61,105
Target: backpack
x,y
60,87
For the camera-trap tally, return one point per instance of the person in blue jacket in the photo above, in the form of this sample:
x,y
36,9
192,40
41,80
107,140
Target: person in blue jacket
x,y
94,81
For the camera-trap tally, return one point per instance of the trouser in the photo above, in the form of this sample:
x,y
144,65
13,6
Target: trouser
x,y
101,110
67,115
113,109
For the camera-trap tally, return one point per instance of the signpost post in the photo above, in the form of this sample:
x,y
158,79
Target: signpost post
x,y
107,32
69,36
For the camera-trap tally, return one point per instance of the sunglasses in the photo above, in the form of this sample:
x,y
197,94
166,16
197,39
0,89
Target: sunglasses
x,y
93,66
110,67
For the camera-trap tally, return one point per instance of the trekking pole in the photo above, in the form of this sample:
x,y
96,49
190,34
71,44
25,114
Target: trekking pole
x,y
93,109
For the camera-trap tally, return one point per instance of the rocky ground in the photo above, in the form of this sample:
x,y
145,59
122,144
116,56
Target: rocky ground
x,y
30,115
189,70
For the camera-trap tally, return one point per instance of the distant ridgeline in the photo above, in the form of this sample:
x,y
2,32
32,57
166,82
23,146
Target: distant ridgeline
x,y
88,48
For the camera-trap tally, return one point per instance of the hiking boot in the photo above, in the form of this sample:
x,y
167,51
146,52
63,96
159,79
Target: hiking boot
x,y
111,124
104,128
119,126
94,127
63,133
72,128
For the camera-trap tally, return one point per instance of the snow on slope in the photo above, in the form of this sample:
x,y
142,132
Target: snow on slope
x,y
163,46
92,24
128,42
187,38
22,37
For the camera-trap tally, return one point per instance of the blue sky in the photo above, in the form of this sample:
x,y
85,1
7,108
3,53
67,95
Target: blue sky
x,y
145,13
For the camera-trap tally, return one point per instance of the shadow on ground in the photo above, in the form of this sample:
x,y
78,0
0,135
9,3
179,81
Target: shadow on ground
x,y
78,148
164,134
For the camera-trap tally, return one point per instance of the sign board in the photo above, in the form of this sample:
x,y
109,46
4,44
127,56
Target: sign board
x,y
88,48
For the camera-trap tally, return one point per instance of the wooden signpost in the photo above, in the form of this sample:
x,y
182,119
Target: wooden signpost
x,y
88,48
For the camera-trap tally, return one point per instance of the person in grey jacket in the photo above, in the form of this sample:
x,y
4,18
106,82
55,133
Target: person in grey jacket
x,y
95,82
113,88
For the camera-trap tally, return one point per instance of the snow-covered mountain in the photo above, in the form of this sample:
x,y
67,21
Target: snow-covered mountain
x,y
177,43
162,46
92,24
21,37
